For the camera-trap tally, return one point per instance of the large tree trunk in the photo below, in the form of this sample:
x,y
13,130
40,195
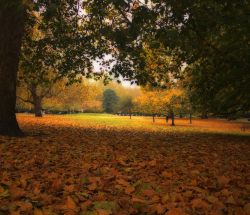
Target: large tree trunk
x,y
11,31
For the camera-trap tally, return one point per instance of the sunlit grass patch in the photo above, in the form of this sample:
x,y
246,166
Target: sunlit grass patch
x,y
146,123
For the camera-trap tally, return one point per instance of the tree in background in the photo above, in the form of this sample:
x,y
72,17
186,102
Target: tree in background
x,y
76,97
212,50
161,102
149,102
173,103
126,105
110,101
35,90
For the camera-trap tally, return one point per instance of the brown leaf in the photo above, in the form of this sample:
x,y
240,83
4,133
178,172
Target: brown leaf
x,y
223,181
231,200
167,174
225,192
212,199
199,203
16,192
70,203
148,192
69,188
152,163
92,186
24,206
57,184
175,211
123,182
38,212
103,212
138,200
85,204
165,198
129,190
247,208
158,208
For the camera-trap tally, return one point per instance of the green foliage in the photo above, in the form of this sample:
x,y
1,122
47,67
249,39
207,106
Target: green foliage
x,y
110,101
126,104
206,41
148,43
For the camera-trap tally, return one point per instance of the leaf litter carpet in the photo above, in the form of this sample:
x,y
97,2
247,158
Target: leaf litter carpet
x,y
61,167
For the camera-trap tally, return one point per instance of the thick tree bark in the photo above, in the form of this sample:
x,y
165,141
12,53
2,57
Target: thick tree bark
x,y
11,31
153,117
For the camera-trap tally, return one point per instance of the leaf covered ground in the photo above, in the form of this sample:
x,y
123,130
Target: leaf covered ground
x,y
66,166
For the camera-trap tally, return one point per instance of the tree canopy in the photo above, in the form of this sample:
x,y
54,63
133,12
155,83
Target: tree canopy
x,y
110,101
148,42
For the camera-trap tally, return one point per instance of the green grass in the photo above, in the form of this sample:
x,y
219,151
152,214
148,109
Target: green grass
x,y
146,123
94,119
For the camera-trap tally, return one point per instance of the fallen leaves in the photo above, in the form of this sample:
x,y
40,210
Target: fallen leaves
x,y
70,203
223,181
16,192
95,171
175,211
38,212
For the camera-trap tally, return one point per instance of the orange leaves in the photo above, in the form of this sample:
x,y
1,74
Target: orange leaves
x,y
127,187
152,163
212,199
16,192
24,206
70,203
199,204
103,212
69,188
223,181
38,212
122,182
92,186
157,209
93,183
138,200
167,174
88,170
175,211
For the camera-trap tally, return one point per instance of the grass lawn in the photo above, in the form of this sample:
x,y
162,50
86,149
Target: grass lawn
x,y
100,164
146,123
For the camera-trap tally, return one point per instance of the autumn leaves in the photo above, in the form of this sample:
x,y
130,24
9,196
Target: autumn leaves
x,y
81,170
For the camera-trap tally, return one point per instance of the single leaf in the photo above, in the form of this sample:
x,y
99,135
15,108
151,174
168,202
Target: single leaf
x,y
70,203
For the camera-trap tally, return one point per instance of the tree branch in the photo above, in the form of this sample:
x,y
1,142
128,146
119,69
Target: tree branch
x,y
25,100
